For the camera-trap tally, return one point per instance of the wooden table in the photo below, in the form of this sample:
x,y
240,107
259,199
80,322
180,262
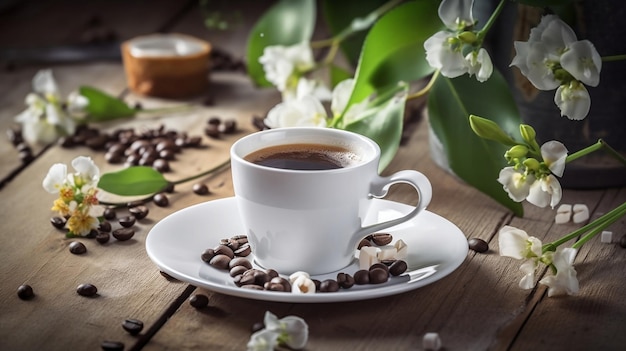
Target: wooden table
x,y
479,306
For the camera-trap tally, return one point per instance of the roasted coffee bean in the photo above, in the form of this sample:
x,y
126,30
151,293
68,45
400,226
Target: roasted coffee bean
x,y
214,121
26,156
220,261
478,245
240,261
169,188
260,278
271,273
123,234
168,155
212,131
87,290
243,279
199,300
345,280
194,141
243,250
104,226
329,285
139,212
380,266
362,277
229,126
207,255
237,270
25,292
224,250
161,165
622,241
109,345
363,242
200,189
127,221
378,276
241,239
103,237
15,136
58,222
282,281
160,200
132,326
109,214
382,239
77,248
274,287
397,268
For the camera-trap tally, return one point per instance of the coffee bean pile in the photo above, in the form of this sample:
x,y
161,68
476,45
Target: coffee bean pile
x,y
231,255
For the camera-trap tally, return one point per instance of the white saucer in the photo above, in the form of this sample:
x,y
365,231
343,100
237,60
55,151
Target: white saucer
x,y
436,248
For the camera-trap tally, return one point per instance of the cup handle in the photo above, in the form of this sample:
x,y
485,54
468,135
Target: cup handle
x,y
379,188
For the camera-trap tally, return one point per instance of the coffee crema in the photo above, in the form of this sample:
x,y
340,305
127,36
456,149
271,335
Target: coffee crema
x,y
309,157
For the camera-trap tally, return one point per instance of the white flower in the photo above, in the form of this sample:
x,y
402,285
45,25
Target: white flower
x,y
545,190
55,179
516,243
306,111
45,119
311,87
479,64
573,100
554,154
565,281
263,340
515,183
87,173
456,14
536,57
284,63
341,96
443,52
293,331
583,62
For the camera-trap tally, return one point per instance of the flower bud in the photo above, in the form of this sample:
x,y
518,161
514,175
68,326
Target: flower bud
x,y
468,37
517,151
488,129
532,164
528,133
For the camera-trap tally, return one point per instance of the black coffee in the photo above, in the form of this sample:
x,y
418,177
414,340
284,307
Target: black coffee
x,y
310,157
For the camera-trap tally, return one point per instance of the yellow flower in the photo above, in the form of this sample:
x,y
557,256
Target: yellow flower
x,y
66,193
61,206
81,223
90,197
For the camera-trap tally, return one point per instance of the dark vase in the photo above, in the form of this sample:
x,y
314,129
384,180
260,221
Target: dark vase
x,y
600,22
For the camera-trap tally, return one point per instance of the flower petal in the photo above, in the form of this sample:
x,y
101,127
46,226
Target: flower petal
x,y
554,154
341,96
441,55
583,62
515,183
54,180
512,242
456,14
44,84
573,100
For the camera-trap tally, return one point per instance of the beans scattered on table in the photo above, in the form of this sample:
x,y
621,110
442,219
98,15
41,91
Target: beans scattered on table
x,y
58,222
25,292
199,301
123,234
87,290
478,245
77,248
132,326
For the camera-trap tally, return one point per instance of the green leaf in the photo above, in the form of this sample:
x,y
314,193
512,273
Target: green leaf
x,y
391,53
475,160
382,122
288,22
137,180
104,107
339,16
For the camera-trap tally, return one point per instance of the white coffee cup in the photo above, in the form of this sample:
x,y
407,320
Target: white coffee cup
x,y
311,220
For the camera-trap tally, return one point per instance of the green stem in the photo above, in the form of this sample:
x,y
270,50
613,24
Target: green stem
x,y
224,165
600,144
607,220
595,226
425,89
614,58
481,34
